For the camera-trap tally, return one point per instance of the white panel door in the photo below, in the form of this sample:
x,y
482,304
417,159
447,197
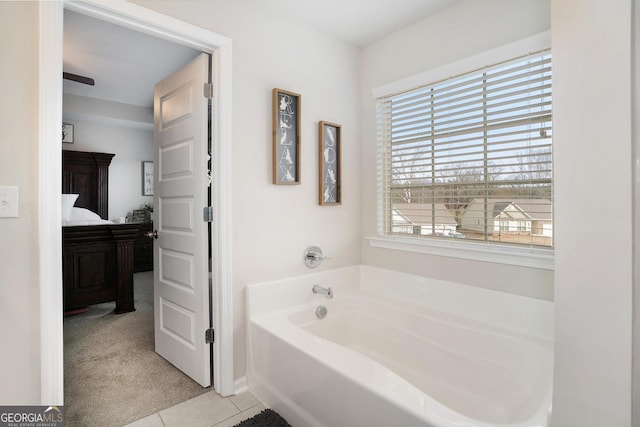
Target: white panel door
x,y
181,289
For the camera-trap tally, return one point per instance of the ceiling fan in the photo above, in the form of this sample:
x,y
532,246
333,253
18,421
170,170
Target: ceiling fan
x,y
79,79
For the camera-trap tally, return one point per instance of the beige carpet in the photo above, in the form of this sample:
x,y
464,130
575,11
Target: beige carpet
x,y
112,376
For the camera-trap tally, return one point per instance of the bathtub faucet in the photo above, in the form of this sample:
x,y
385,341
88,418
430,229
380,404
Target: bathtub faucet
x,y
317,289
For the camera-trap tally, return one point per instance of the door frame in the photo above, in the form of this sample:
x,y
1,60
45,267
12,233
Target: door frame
x,y
49,159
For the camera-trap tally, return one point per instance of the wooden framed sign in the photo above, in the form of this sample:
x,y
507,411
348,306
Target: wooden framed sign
x,y
330,140
286,137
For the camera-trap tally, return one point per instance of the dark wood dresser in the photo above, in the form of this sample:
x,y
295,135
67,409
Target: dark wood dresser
x,y
143,249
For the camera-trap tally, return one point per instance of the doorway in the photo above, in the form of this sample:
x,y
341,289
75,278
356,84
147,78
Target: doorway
x,y
158,25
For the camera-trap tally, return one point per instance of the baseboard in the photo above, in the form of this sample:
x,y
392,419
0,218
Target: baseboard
x,y
240,385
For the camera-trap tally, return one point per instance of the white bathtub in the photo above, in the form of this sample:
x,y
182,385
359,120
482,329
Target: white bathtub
x,y
399,350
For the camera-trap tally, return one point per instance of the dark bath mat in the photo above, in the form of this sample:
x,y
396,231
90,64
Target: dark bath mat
x,y
266,418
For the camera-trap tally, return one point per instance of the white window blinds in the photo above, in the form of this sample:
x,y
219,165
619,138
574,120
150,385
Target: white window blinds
x,y
471,157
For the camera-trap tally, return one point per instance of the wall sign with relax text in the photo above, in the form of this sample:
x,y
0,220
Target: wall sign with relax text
x,y
330,139
286,137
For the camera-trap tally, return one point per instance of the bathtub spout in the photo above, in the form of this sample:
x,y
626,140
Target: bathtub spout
x,y
317,289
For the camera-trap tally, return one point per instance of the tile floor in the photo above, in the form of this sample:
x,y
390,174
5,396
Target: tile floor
x,y
206,410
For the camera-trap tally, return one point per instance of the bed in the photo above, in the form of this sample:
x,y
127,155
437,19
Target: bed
x,y
97,255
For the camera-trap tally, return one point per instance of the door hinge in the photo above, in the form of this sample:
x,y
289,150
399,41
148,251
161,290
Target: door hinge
x,y
207,214
208,90
209,336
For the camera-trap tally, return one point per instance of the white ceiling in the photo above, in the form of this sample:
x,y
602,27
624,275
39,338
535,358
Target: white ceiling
x,y
360,22
126,64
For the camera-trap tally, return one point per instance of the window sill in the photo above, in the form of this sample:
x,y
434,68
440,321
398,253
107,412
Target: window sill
x,y
477,251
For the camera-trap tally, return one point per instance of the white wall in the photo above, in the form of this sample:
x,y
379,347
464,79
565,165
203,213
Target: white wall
x,y
592,138
635,403
273,224
19,262
131,146
467,28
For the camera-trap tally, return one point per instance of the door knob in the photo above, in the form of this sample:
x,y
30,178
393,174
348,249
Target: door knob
x,y
152,234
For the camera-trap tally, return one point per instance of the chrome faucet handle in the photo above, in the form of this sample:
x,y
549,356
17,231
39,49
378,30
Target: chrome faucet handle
x,y
313,256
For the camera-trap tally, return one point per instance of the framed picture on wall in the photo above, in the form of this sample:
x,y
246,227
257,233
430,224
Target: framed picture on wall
x,y
67,133
330,140
286,137
147,178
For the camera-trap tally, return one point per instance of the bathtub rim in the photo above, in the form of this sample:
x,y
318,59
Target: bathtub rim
x,y
502,309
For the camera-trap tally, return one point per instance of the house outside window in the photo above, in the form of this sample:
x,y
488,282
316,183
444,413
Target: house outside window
x,y
470,157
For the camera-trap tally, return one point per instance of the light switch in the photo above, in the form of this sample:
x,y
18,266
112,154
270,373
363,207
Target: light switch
x,y
8,202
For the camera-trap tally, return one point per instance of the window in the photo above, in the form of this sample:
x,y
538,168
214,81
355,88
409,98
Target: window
x,y
470,158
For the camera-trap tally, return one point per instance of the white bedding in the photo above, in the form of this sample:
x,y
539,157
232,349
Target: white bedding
x,y
82,216
68,201
71,223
